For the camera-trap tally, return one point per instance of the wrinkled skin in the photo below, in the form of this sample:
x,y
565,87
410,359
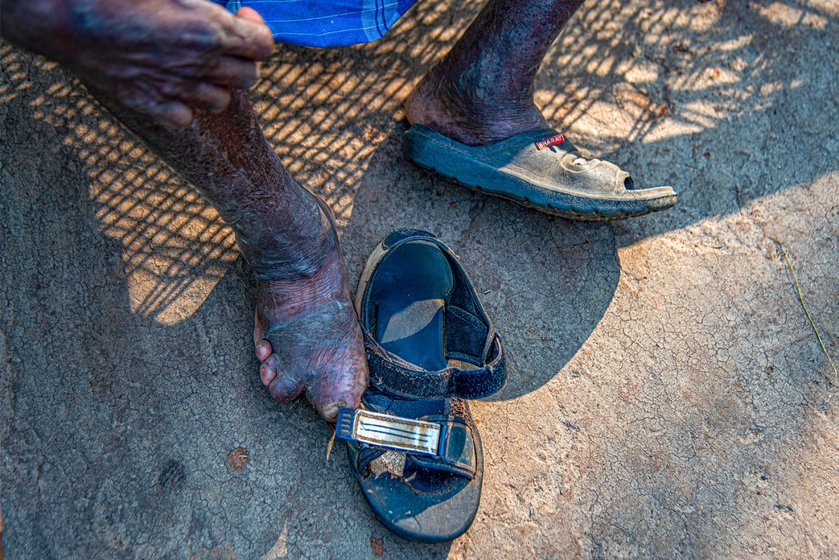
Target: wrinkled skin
x,y
162,58
171,71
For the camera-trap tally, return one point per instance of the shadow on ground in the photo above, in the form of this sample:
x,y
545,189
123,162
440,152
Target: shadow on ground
x,y
129,376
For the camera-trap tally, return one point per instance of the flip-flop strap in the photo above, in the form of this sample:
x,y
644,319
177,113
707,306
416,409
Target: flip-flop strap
x,y
391,376
436,442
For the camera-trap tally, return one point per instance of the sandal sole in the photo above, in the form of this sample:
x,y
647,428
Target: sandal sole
x,y
424,151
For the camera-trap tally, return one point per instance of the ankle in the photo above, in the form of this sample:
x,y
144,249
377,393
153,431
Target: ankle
x,y
470,113
297,247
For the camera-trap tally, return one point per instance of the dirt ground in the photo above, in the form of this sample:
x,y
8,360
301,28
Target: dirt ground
x,y
668,397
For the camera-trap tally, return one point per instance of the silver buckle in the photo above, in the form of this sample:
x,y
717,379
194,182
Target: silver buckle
x,y
392,432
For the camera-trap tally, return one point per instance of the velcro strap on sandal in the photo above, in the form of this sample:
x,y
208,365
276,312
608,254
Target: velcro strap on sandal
x,y
444,444
390,375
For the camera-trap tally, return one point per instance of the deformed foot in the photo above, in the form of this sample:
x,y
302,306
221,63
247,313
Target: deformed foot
x,y
307,336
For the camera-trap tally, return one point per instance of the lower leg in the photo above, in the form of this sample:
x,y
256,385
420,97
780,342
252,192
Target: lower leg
x,y
482,91
306,333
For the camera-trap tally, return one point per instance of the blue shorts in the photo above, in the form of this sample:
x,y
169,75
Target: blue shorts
x,y
325,23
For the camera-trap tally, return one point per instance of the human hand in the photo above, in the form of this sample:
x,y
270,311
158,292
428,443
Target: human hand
x,y
162,58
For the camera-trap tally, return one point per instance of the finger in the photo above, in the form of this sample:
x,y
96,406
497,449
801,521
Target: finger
x,y
246,37
198,94
205,96
253,15
173,114
231,71
142,97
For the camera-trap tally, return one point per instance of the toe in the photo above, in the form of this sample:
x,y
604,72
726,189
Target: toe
x,y
329,410
263,350
268,370
343,388
285,388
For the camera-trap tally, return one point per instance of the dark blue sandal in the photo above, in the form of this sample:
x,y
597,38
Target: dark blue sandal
x,y
539,169
413,446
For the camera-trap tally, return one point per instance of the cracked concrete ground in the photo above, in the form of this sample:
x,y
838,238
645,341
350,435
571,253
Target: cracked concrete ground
x,y
667,398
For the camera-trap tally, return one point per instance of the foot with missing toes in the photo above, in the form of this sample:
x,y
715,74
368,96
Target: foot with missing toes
x,y
306,333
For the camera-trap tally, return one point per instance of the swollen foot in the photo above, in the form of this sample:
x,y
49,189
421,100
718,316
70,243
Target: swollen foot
x,y
307,336
467,112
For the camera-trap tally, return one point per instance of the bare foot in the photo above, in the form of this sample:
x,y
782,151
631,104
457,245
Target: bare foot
x,y
307,335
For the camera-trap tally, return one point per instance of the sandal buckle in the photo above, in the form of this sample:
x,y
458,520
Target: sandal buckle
x,y
387,431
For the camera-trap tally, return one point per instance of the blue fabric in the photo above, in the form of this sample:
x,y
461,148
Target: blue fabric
x,y
325,23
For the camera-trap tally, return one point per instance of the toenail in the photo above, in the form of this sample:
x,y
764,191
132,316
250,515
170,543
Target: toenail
x,y
262,347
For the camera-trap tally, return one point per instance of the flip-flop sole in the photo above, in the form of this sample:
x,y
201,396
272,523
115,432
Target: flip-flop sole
x,y
450,159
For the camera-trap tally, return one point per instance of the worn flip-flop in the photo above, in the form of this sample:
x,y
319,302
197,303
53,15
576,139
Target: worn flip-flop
x,y
413,446
539,169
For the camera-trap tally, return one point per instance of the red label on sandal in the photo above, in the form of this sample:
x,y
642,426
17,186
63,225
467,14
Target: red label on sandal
x,y
552,141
